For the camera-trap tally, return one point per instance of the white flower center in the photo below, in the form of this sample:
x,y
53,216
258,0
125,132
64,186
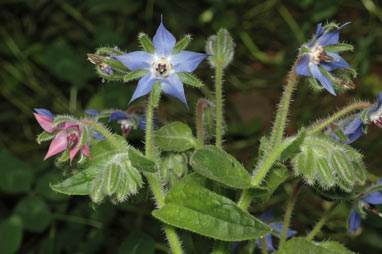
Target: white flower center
x,y
162,67
319,55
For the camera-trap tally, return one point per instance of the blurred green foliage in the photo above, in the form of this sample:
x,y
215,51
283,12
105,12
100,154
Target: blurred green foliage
x,y
43,58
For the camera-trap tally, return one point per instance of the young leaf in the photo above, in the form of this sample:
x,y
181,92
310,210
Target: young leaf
x,y
175,136
146,43
111,178
96,190
134,75
192,207
140,162
220,166
181,45
189,79
84,137
294,147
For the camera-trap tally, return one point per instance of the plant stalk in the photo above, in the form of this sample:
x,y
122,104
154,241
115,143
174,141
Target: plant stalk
x,y
219,104
264,249
322,221
199,120
288,213
155,184
343,112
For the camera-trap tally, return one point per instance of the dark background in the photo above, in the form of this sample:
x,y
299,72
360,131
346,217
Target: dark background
x,y
43,64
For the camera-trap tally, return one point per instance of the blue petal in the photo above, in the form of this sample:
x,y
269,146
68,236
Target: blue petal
x,y
267,216
136,60
187,61
142,123
174,87
352,126
117,116
354,136
374,198
379,102
278,226
145,85
333,65
164,41
44,112
330,38
354,221
92,112
319,30
302,67
325,82
268,242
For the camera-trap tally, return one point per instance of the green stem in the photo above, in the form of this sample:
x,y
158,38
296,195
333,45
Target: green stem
x,y
343,112
79,220
282,112
199,120
219,104
155,184
101,129
322,221
288,213
264,249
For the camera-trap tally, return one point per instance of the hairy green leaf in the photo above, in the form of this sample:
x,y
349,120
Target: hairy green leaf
x,y
220,166
192,207
303,246
135,75
140,162
175,136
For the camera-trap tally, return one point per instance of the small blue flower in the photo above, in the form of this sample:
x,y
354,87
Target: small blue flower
x,y
317,57
276,226
163,66
92,112
366,202
44,112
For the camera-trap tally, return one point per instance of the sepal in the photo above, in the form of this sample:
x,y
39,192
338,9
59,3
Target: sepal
x,y
146,43
181,45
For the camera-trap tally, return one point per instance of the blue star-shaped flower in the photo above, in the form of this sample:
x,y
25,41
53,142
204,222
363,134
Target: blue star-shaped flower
x,y
163,66
374,198
276,226
317,57
354,128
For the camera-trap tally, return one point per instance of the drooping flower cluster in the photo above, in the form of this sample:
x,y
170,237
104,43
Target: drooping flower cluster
x,y
162,65
318,61
67,135
367,202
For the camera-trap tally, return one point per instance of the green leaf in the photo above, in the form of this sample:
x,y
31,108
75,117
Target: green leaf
x,y
302,246
46,136
135,75
339,47
16,176
365,116
192,207
294,147
108,51
220,166
189,79
336,194
275,177
181,45
11,234
43,188
96,190
175,136
140,162
111,178
80,183
329,163
34,213
155,94
146,43
138,243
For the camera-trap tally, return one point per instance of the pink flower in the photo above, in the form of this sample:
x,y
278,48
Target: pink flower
x,y
67,138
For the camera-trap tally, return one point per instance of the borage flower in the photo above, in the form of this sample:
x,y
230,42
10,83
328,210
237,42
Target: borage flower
x,y
67,137
355,127
368,203
276,226
317,61
162,65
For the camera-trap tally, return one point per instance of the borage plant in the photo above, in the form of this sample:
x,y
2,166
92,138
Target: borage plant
x,y
190,178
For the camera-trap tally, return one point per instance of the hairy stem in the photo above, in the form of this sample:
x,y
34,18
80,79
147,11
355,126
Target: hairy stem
x,y
199,120
282,112
219,104
343,112
322,221
288,213
264,249
101,129
155,184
